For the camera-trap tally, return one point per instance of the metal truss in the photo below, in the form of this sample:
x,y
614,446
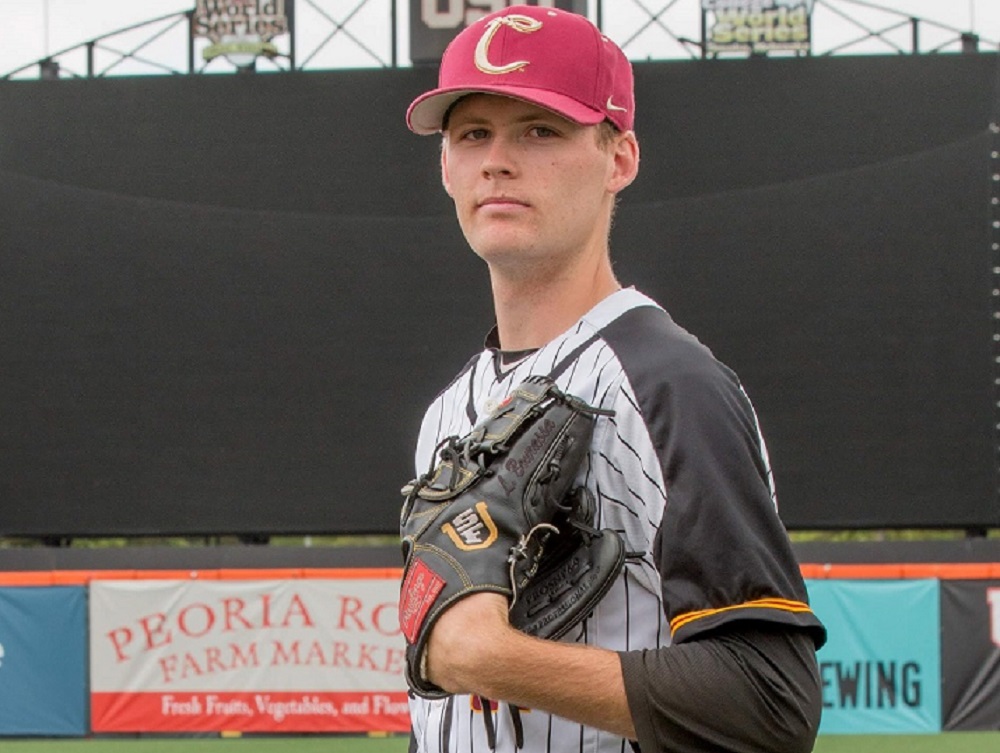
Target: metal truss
x,y
328,34
337,34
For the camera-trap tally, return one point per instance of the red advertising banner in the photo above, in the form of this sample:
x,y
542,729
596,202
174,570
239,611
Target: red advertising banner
x,y
300,655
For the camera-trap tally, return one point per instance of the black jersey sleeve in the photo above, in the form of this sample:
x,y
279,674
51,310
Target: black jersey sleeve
x,y
745,687
721,550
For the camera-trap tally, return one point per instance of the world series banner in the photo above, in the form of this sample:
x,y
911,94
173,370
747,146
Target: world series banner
x,y
295,655
241,30
757,27
881,666
970,654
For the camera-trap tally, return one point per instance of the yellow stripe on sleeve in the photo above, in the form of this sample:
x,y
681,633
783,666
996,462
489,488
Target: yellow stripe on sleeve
x,y
785,605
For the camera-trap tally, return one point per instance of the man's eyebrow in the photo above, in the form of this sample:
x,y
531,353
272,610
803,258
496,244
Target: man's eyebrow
x,y
468,118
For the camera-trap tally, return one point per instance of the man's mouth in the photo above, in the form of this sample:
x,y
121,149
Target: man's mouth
x,y
501,201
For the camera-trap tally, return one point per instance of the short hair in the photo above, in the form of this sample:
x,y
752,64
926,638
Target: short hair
x,y
606,132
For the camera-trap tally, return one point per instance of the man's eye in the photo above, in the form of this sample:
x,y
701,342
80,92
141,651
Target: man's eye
x,y
475,134
542,131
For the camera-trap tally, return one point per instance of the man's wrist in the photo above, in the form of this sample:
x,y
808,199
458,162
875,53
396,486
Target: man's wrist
x,y
465,642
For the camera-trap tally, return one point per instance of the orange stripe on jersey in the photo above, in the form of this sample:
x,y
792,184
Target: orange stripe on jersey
x,y
785,605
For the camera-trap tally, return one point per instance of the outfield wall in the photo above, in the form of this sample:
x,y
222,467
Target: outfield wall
x,y
913,648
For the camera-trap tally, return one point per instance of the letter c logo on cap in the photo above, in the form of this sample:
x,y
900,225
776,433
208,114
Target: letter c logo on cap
x,y
523,24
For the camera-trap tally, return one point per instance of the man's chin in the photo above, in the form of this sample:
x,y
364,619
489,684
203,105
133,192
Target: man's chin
x,y
506,255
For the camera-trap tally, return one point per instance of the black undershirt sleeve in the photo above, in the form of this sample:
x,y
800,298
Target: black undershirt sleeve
x,y
747,687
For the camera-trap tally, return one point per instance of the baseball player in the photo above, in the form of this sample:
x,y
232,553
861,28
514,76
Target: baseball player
x,y
705,641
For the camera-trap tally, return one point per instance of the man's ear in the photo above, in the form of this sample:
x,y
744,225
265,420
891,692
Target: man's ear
x,y
626,164
445,181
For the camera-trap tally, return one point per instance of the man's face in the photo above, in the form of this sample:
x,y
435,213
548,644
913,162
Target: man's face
x,y
529,186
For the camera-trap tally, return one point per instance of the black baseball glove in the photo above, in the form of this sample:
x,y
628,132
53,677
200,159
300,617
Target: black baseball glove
x,y
577,568
480,518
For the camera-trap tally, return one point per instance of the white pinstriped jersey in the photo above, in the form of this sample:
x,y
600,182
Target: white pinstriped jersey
x,y
637,458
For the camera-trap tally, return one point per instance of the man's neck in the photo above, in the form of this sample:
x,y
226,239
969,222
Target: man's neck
x,y
530,313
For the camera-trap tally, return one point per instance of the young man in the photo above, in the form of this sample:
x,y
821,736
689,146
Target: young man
x,y
706,641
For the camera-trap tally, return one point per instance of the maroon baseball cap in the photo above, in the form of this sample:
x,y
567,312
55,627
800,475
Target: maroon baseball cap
x,y
552,58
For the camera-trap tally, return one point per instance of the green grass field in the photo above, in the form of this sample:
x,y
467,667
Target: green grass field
x,y
949,742
952,742
309,744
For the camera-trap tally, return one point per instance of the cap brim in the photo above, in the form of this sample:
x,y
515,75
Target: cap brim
x,y
426,113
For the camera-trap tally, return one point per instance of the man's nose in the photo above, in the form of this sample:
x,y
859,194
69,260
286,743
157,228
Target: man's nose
x,y
499,158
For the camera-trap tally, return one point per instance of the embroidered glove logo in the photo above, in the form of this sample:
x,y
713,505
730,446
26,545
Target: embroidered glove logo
x,y
523,24
472,529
